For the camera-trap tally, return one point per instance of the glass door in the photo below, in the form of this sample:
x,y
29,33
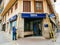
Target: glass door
x,y
37,28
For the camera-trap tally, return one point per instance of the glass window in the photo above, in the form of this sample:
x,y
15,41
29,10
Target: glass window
x,y
27,27
8,13
38,6
31,25
41,7
26,6
10,25
16,5
11,9
5,18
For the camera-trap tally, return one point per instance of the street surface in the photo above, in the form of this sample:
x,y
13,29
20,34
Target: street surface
x,y
58,39
4,40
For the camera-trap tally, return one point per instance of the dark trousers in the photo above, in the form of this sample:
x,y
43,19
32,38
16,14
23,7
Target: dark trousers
x,y
14,36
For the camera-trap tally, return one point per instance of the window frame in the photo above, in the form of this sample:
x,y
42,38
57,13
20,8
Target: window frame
x,y
16,5
8,13
35,6
29,9
11,9
3,19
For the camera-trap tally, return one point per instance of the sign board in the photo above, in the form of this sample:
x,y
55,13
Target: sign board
x,y
45,25
51,15
13,18
33,15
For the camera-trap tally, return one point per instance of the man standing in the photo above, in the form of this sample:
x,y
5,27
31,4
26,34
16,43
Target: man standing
x,y
14,33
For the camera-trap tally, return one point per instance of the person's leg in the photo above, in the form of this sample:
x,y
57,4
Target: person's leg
x,y
13,36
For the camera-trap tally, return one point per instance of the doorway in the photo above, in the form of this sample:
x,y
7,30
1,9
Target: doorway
x,y
34,25
37,29
4,27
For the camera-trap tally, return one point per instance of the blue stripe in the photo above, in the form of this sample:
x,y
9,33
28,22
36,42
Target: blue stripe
x,y
32,15
13,18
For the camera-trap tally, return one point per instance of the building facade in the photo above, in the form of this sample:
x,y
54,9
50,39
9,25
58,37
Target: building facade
x,y
1,9
30,17
59,26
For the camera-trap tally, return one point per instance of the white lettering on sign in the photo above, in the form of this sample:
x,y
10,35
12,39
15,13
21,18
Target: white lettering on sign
x,y
33,15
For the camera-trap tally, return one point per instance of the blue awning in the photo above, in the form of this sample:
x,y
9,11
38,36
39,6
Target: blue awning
x,y
13,18
33,15
51,15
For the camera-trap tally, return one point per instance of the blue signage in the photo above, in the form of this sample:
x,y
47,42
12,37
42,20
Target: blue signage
x,y
13,18
45,25
51,15
33,15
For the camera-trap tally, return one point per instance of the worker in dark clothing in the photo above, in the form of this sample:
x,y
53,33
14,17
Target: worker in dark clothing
x,y
14,33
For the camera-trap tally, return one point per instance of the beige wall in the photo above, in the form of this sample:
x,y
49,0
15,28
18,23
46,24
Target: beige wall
x,y
20,21
5,3
20,25
46,8
46,30
20,8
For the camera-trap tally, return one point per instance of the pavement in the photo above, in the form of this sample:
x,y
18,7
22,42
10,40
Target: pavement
x,y
58,39
34,41
4,40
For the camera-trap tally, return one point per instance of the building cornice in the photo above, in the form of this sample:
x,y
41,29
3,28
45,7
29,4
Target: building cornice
x,y
11,2
51,6
9,5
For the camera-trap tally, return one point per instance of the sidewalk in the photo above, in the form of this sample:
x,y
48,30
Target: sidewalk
x,y
31,37
30,41
58,39
6,40
8,36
